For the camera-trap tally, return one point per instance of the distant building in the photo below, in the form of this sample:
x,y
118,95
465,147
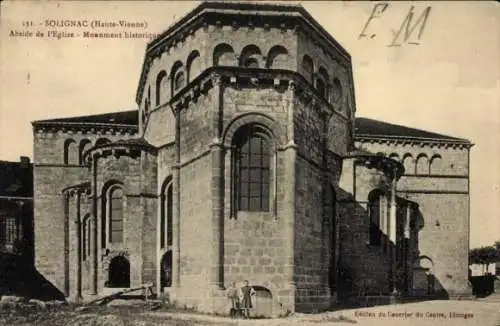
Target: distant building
x,y
480,270
246,160
16,207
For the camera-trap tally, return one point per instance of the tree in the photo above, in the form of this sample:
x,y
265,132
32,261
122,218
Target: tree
x,y
484,255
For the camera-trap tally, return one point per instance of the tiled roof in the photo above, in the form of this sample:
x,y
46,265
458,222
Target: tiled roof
x,y
122,118
364,126
374,128
16,179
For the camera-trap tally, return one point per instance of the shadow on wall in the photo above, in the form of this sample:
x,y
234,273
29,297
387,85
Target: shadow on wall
x,y
365,278
19,277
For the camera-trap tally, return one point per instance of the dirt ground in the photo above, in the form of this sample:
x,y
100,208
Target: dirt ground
x,y
440,313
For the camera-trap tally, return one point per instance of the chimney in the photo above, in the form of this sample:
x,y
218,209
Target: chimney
x,y
25,161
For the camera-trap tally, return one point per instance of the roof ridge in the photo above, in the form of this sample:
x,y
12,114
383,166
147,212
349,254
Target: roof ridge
x,y
62,119
378,129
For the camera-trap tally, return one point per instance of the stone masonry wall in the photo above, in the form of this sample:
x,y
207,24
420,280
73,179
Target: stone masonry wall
x,y
312,239
139,219
51,176
195,230
256,242
364,268
195,200
444,239
437,179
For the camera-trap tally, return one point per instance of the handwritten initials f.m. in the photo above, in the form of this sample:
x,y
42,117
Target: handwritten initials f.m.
x,y
408,28
405,32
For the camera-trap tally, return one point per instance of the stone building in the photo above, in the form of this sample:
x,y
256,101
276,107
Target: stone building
x,y
245,160
16,208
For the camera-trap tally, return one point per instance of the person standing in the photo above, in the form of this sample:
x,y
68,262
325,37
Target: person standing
x,y
232,295
246,293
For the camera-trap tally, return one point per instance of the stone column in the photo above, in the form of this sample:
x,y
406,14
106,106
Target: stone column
x,y
290,159
78,247
159,211
66,213
217,188
176,204
95,229
392,233
408,250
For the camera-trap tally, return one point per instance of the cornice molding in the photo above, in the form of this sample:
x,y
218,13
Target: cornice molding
x,y
252,77
117,149
408,140
216,16
83,127
78,189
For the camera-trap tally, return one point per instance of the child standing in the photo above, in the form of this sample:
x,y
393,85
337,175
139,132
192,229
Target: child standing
x,y
246,293
232,295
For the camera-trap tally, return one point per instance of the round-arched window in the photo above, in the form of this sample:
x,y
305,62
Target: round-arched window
x,y
336,90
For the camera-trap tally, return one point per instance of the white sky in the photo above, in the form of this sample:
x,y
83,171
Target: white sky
x,y
447,84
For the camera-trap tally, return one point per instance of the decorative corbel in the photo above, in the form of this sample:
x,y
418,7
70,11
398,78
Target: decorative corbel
x,y
216,79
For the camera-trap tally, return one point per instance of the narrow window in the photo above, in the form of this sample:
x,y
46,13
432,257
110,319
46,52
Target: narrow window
x,y
166,216
116,215
84,240
252,156
374,216
179,81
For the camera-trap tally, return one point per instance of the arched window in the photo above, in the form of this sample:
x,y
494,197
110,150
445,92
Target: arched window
x,y
322,83
70,152
166,214
86,233
177,77
435,165
179,81
250,57
193,65
277,58
160,87
252,168
308,69
408,163
119,273
115,214
224,55
375,217
85,144
422,164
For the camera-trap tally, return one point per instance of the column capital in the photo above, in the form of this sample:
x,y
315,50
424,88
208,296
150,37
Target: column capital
x,y
216,79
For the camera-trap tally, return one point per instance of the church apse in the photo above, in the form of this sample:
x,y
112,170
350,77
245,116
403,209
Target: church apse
x,y
238,165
